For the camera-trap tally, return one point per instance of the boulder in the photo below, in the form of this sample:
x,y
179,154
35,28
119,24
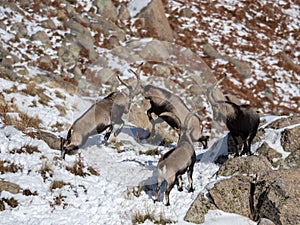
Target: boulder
x,y
52,140
233,195
284,122
42,37
292,161
9,187
84,38
290,139
106,9
271,154
245,165
277,196
198,209
155,20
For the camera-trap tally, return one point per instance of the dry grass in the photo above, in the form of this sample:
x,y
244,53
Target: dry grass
x,y
11,202
78,168
140,217
46,171
57,184
9,167
25,149
13,116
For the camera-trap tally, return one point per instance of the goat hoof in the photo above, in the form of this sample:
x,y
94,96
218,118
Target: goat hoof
x,y
180,189
168,204
191,190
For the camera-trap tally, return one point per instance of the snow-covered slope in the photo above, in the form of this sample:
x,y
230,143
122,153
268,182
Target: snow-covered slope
x,y
103,184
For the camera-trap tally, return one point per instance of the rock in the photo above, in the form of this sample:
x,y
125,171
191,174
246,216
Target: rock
x,y
269,153
198,209
42,37
20,29
232,195
290,139
187,12
264,221
211,51
9,187
242,68
69,52
245,165
156,21
45,63
52,140
292,161
123,13
83,39
106,9
277,196
284,122
155,49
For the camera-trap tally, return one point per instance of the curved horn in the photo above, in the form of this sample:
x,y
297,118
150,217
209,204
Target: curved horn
x,y
188,117
173,116
123,82
137,75
219,81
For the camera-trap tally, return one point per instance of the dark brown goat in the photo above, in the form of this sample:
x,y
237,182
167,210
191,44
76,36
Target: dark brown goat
x,y
241,120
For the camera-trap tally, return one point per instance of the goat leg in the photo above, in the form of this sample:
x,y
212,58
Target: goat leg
x,y
159,182
236,144
107,135
190,178
117,132
179,180
171,182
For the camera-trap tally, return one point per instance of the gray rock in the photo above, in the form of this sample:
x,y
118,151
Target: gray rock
x,y
292,161
83,39
106,9
52,140
284,122
277,196
42,37
245,165
232,195
264,221
270,153
198,209
155,18
290,139
9,187
211,51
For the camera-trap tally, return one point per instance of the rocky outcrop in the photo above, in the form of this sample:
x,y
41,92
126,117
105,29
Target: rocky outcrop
x,y
271,154
277,196
9,187
155,21
290,139
284,122
198,209
257,191
242,68
233,195
244,165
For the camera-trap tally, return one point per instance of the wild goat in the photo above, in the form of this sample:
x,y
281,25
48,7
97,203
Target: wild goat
x,y
101,116
241,120
177,161
171,109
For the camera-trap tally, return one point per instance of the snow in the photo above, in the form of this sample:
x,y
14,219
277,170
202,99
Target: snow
x,y
104,199
135,6
109,198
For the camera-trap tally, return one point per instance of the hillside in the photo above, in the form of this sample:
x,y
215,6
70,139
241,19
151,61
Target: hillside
x,y
58,57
